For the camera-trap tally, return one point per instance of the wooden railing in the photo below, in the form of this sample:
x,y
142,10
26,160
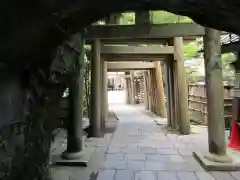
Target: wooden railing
x,y
197,104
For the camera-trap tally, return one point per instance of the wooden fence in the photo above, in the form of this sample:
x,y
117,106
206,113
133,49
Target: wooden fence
x,y
197,103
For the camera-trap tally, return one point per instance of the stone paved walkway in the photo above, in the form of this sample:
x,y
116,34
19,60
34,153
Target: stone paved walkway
x,y
142,150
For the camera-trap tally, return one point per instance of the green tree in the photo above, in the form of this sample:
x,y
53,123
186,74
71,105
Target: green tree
x,y
161,17
191,50
227,69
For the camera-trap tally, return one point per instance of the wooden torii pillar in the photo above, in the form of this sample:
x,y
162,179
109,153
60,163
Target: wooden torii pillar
x,y
181,84
95,99
177,88
214,90
171,95
132,88
160,95
215,105
146,97
127,88
75,154
104,95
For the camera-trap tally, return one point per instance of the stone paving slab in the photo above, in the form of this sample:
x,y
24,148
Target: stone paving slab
x,y
106,175
235,174
146,175
222,175
204,176
186,176
124,175
135,157
166,175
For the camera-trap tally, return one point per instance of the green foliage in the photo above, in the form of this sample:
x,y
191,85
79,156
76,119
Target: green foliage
x,y
192,74
190,53
227,69
161,17
190,50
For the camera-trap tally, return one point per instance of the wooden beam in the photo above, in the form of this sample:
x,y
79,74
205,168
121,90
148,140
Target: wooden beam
x,y
141,41
129,65
134,59
118,75
125,50
144,31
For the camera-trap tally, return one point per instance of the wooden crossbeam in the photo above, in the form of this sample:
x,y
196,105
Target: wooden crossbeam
x,y
137,50
118,75
129,65
138,41
144,31
134,59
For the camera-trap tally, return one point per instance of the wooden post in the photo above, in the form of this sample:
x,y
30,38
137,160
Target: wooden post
x,y
150,90
74,123
95,115
160,90
174,75
214,92
133,100
104,96
169,85
146,102
128,90
76,154
184,123
153,82
215,105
